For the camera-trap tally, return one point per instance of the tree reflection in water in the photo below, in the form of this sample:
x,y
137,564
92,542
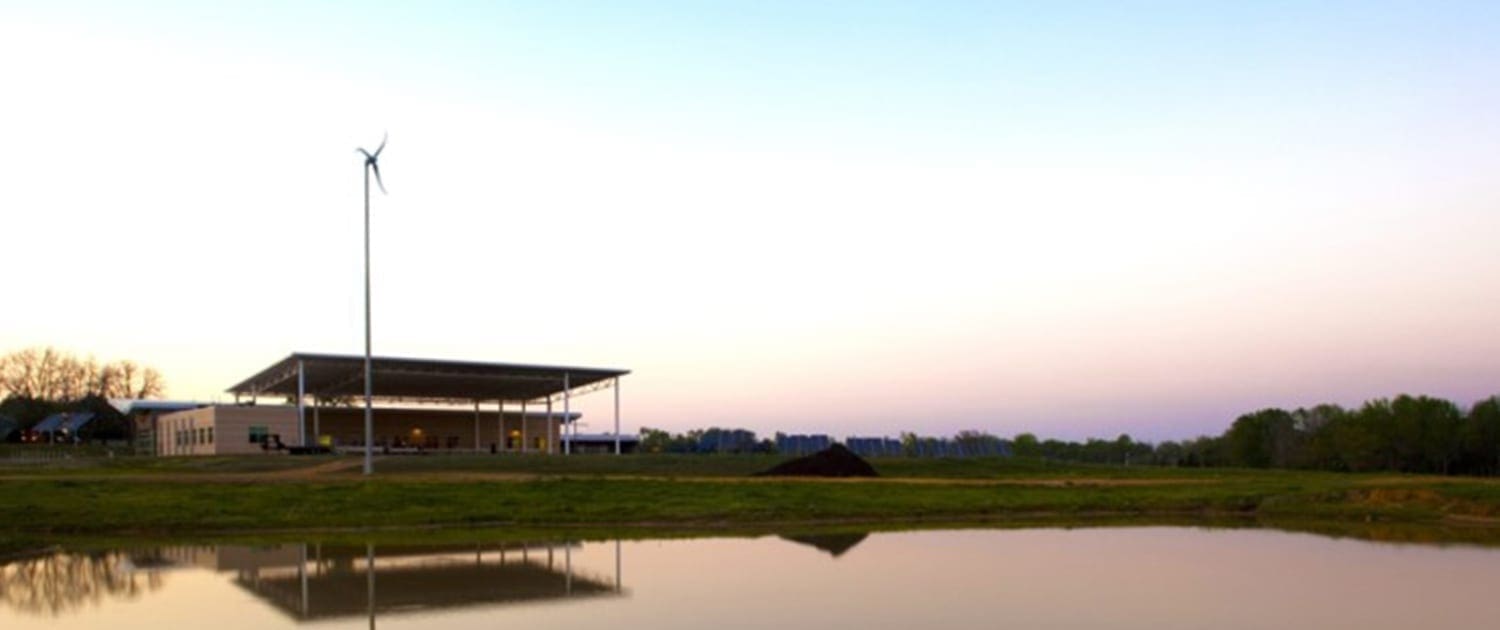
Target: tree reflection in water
x,y
56,583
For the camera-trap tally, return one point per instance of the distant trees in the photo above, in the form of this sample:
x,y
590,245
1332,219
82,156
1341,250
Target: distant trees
x,y
1418,434
52,375
711,440
1026,445
1481,438
966,443
973,441
1264,439
1122,450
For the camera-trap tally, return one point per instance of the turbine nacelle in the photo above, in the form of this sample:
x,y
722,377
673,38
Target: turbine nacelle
x,y
372,161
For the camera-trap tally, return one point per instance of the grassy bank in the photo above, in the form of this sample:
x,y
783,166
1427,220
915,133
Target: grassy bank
x,y
212,496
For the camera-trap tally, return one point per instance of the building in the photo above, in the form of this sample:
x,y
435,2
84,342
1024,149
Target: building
x,y
420,405
801,444
874,446
143,416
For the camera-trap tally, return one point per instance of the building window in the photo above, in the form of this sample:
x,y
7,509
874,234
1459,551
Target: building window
x,y
210,433
258,435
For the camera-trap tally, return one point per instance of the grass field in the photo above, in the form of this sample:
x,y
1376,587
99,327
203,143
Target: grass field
x,y
250,495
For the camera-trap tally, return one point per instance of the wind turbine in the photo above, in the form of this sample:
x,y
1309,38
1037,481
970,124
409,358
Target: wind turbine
x,y
372,163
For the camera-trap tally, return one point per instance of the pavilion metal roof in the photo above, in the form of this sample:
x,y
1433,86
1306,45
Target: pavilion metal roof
x,y
432,380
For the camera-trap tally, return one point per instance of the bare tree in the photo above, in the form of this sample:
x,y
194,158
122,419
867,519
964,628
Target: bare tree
x,y
50,374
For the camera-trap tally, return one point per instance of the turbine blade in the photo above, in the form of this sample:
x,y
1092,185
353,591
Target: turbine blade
x,y
368,157
383,138
374,166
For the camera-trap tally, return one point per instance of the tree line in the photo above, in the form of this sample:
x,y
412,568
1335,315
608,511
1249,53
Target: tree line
x,y
1416,434
53,375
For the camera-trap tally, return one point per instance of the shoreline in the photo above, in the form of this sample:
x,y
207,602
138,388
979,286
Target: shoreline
x,y
244,498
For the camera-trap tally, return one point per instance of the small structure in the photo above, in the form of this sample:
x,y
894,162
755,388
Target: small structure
x,y
801,444
874,446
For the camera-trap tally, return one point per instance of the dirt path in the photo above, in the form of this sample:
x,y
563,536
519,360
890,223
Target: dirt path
x,y
325,468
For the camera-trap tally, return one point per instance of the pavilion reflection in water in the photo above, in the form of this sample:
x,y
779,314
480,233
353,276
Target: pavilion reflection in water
x,y
313,582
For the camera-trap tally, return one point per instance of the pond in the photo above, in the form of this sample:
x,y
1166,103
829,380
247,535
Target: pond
x,y
1127,577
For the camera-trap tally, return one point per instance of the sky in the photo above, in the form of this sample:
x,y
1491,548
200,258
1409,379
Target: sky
x,y
1075,219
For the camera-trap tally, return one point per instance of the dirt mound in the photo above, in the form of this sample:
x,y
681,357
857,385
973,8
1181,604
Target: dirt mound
x,y
834,461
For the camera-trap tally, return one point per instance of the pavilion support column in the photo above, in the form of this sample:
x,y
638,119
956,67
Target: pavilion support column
x,y
617,415
301,408
317,428
523,427
568,413
370,581
302,576
500,427
476,425
551,429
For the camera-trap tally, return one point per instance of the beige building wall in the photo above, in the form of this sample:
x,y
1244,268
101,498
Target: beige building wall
x,y
224,430
188,432
244,430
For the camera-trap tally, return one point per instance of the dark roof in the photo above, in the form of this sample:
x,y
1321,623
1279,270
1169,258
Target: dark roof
x,y
433,380
70,421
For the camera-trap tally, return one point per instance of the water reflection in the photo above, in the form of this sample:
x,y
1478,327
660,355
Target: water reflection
x,y
313,582
1124,577
57,582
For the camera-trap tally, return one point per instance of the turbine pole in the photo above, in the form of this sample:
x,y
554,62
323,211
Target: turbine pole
x,y
369,417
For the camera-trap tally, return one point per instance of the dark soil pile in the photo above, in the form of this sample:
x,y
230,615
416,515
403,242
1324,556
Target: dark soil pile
x,y
834,461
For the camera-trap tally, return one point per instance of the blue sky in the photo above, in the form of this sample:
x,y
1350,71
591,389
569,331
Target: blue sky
x,y
1069,218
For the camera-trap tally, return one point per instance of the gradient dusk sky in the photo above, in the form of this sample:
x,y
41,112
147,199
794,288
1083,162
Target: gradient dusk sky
x,y
1072,218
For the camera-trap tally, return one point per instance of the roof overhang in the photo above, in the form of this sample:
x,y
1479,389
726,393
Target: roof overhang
x,y
426,380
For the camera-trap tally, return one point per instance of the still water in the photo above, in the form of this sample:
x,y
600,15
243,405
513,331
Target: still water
x,y
1145,577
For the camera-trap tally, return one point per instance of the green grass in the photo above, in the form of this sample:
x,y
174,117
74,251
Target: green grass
x,y
648,465
260,495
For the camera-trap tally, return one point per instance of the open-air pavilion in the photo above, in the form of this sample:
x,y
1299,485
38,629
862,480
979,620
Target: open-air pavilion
x,y
435,382
418,404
